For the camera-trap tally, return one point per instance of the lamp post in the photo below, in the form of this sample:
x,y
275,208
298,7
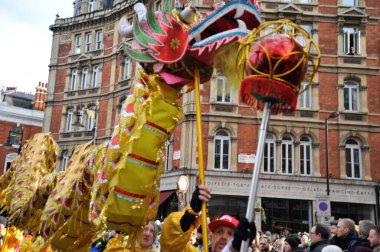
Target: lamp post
x,y
332,115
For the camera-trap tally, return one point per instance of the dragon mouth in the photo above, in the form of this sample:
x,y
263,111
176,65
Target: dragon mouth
x,y
229,23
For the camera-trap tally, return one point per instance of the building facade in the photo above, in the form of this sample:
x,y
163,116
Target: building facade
x,y
21,116
87,73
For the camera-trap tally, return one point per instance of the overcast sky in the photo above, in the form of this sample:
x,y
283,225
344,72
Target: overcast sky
x,y
25,42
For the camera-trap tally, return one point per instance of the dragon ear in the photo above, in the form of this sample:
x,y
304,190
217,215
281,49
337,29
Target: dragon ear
x,y
142,37
152,21
139,56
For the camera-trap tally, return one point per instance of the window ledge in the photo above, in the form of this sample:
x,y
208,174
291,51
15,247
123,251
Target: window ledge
x,y
223,107
125,83
83,91
353,116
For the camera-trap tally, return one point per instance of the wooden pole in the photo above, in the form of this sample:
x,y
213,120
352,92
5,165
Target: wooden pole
x,y
200,156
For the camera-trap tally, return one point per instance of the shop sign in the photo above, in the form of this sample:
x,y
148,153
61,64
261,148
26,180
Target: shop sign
x,y
176,155
246,158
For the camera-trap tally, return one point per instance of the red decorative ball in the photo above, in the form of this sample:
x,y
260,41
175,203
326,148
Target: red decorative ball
x,y
278,56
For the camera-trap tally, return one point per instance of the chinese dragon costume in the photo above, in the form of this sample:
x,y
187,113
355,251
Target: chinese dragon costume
x,y
115,185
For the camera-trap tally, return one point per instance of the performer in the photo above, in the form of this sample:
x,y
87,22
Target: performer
x,y
227,230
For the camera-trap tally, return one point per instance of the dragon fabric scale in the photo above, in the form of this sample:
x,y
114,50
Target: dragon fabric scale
x,y
115,185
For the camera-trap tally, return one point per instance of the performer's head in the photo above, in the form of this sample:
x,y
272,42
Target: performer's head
x,y
148,235
222,231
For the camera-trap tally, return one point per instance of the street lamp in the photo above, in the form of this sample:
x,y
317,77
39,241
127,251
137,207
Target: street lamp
x,y
332,115
182,187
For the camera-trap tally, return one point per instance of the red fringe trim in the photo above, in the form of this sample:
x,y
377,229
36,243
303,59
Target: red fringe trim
x,y
256,91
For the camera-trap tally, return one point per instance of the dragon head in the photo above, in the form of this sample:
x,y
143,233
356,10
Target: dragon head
x,y
172,42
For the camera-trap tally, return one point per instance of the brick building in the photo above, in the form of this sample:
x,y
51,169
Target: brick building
x,y
21,116
88,73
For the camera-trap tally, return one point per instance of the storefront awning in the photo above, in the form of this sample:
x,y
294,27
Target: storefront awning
x,y
164,196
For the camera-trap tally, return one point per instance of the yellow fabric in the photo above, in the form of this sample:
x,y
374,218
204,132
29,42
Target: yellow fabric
x,y
36,160
140,176
117,244
173,239
12,238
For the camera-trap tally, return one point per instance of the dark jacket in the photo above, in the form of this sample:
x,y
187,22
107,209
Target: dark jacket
x,y
318,246
360,243
350,242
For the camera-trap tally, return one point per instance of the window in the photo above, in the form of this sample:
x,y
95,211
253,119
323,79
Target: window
x,y
74,77
351,40
351,96
287,149
305,1
91,6
80,116
269,154
304,100
349,2
305,156
69,120
95,73
65,160
88,41
15,135
127,68
222,150
90,121
353,159
78,43
223,94
84,83
307,28
167,155
99,39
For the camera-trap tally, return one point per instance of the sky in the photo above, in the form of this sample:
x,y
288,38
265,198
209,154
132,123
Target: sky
x,y
25,40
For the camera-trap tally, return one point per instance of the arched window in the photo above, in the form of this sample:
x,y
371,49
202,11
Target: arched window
x,y
65,160
269,154
8,161
351,96
353,159
222,143
287,150
69,119
305,156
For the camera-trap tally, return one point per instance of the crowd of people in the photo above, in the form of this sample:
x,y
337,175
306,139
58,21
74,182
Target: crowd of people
x,y
181,232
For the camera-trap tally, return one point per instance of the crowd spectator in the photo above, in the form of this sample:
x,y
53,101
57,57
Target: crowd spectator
x,y
347,237
331,248
319,235
265,244
374,239
291,244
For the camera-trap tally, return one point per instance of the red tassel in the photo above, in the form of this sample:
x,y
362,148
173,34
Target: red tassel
x,y
256,91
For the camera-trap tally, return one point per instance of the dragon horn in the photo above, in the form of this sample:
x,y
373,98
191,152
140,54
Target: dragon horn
x,y
142,37
140,10
152,21
125,29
